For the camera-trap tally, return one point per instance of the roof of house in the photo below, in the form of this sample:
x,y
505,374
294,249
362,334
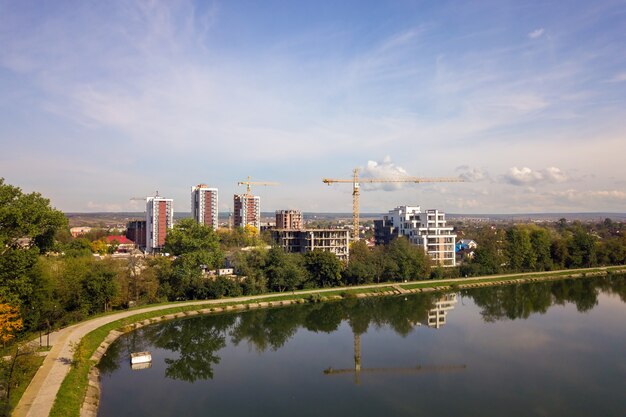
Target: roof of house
x,y
122,240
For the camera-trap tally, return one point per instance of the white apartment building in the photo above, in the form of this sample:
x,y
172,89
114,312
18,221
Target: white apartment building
x,y
204,208
427,229
159,218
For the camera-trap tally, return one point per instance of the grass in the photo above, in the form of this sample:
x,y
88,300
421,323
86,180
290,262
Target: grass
x,y
72,391
29,372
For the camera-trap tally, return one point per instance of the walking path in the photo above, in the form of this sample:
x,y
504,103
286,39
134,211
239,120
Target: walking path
x,y
38,399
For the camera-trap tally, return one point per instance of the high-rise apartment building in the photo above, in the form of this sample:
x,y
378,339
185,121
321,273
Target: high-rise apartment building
x,y
427,229
289,219
204,205
159,218
247,210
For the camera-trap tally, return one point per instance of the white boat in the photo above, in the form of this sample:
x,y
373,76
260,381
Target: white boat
x,y
140,357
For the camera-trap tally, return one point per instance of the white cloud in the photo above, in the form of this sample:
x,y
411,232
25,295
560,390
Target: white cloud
x,y
537,33
526,176
384,169
470,174
554,174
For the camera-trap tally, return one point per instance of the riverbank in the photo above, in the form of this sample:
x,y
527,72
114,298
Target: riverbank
x,y
68,372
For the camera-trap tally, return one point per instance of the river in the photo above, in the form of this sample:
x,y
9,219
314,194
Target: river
x,y
544,349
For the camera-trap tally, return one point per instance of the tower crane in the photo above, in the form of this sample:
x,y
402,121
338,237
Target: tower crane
x,y
249,183
355,181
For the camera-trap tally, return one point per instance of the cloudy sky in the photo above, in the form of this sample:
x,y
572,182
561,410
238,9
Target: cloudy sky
x,y
102,101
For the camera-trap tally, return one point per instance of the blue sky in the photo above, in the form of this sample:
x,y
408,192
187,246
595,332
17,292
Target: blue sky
x,y
104,101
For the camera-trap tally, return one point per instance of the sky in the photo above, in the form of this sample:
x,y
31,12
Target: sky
x,y
105,101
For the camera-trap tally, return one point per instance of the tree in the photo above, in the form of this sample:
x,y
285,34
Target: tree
x,y
582,249
361,269
27,216
519,249
283,271
189,237
10,322
99,246
541,242
197,248
324,268
27,228
99,287
408,262
251,264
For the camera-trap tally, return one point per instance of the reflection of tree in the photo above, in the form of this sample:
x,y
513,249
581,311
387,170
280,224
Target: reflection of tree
x,y
512,301
582,292
268,329
197,343
123,347
616,285
520,301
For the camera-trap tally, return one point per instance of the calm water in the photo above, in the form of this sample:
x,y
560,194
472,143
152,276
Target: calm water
x,y
549,349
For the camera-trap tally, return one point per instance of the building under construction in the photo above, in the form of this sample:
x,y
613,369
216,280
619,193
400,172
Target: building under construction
x,y
305,240
289,219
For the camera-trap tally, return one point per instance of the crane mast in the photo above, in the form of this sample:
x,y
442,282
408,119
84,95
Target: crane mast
x,y
356,185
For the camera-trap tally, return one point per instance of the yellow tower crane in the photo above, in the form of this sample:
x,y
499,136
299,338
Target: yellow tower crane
x,y
249,183
355,181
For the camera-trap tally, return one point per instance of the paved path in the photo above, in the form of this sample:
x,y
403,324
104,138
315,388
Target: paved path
x,y
39,397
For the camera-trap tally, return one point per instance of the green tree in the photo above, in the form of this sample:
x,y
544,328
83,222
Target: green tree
x,y
408,262
324,268
582,249
196,248
187,236
362,267
27,228
541,242
99,287
251,265
27,216
519,249
283,271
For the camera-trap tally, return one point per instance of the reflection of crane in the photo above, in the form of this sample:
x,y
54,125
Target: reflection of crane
x,y
405,370
355,181
249,183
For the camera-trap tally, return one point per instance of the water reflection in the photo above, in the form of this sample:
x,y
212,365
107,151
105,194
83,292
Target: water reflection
x,y
194,343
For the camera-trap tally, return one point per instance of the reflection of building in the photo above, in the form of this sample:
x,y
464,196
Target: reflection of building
x,y
437,316
247,210
289,219
426,229
306,240
159,218
204,205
